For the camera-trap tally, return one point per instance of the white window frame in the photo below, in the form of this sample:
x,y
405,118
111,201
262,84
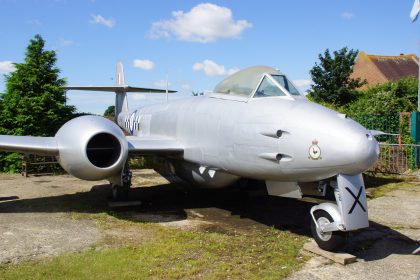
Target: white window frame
x,y
286,96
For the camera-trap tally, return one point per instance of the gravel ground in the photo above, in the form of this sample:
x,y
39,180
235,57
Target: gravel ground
x,y
36,221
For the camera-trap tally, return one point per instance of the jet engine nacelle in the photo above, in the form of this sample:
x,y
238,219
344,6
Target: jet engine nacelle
x,y
91,148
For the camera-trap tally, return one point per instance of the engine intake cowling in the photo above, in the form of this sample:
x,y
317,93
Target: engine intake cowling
x,y
91,148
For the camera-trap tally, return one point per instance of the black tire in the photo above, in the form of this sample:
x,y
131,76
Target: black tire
x,y
330,241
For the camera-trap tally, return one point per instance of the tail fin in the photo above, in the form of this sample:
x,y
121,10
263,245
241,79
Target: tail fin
x,y
121,89
121,102
120,74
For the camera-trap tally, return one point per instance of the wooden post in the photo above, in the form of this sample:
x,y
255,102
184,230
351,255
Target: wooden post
x,y
24,166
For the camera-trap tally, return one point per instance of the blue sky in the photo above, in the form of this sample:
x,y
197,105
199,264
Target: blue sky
x,y
196,43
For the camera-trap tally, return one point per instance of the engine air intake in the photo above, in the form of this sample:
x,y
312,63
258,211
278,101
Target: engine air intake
x,y
103,150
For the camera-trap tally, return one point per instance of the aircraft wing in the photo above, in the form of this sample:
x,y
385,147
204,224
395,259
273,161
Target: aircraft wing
x,y
153,145
119,89
29,144
48,146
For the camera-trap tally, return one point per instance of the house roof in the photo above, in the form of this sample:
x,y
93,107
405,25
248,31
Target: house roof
x,y
396,66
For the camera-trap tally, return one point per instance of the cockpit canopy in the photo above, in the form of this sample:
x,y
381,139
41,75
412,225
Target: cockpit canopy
x,y
257,81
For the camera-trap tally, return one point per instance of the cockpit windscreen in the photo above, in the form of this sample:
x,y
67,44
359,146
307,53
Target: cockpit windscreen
x,y
284,82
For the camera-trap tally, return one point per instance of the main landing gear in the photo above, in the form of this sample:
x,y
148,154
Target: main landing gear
x,y
331,222
121,184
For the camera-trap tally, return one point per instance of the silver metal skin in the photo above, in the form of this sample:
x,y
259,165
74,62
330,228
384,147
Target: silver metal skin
x,y
72,141
231,136
255,125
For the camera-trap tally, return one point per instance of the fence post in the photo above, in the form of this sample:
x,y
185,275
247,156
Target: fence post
x,y
415,134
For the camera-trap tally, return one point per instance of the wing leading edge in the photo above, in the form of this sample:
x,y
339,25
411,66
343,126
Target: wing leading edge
x,y
118,88
29,144
153,145
48,145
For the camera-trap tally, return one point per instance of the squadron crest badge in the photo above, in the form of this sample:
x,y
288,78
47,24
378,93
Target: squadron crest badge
x,y
314,151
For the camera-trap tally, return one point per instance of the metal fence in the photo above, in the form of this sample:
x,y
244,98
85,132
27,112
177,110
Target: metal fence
x,y
392,124
396,158
397,155
40,165
389,123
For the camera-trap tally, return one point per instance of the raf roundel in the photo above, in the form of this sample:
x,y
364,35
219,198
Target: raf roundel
x,y
314,150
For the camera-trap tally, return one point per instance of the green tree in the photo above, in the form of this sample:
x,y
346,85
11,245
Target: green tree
x,y
332,83
110,111
34,102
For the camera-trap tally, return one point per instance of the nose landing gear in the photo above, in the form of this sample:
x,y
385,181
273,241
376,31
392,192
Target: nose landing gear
x,y
330,222
327,240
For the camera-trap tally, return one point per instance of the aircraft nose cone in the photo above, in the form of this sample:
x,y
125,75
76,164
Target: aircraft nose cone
x,y
368,151
365,154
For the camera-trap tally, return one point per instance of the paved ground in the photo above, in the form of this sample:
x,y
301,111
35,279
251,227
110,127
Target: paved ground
x,y
34,221
384,250
37,220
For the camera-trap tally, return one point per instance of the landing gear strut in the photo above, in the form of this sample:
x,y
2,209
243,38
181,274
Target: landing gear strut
x,y
121,184
329,240
331,222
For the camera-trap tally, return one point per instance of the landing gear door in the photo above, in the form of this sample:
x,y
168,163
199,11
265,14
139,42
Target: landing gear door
x,y
351,200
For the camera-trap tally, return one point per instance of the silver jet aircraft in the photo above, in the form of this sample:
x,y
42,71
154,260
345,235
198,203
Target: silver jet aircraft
x,y
255,125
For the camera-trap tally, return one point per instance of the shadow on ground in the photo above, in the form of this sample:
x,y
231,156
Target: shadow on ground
x,y
171,202
378,242
5,198
374,181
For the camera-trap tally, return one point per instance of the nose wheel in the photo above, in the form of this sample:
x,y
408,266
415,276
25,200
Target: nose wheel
x,y
327,240
331,222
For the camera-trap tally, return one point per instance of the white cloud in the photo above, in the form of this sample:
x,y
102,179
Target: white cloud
x,y
162,83
6,67
93,102
138,96
98,19
211,68
302,83
347,15
204,23
144,64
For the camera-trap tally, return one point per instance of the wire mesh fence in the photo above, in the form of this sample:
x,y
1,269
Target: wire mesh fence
x,y
397,154
396,158
392,124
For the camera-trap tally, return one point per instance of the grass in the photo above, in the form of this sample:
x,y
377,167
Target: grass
x,y
380,185
171,254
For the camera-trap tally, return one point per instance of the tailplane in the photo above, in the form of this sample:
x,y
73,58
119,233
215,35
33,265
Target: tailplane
x,y
121,89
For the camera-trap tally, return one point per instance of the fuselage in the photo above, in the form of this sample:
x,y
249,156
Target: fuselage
x,y
272,138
